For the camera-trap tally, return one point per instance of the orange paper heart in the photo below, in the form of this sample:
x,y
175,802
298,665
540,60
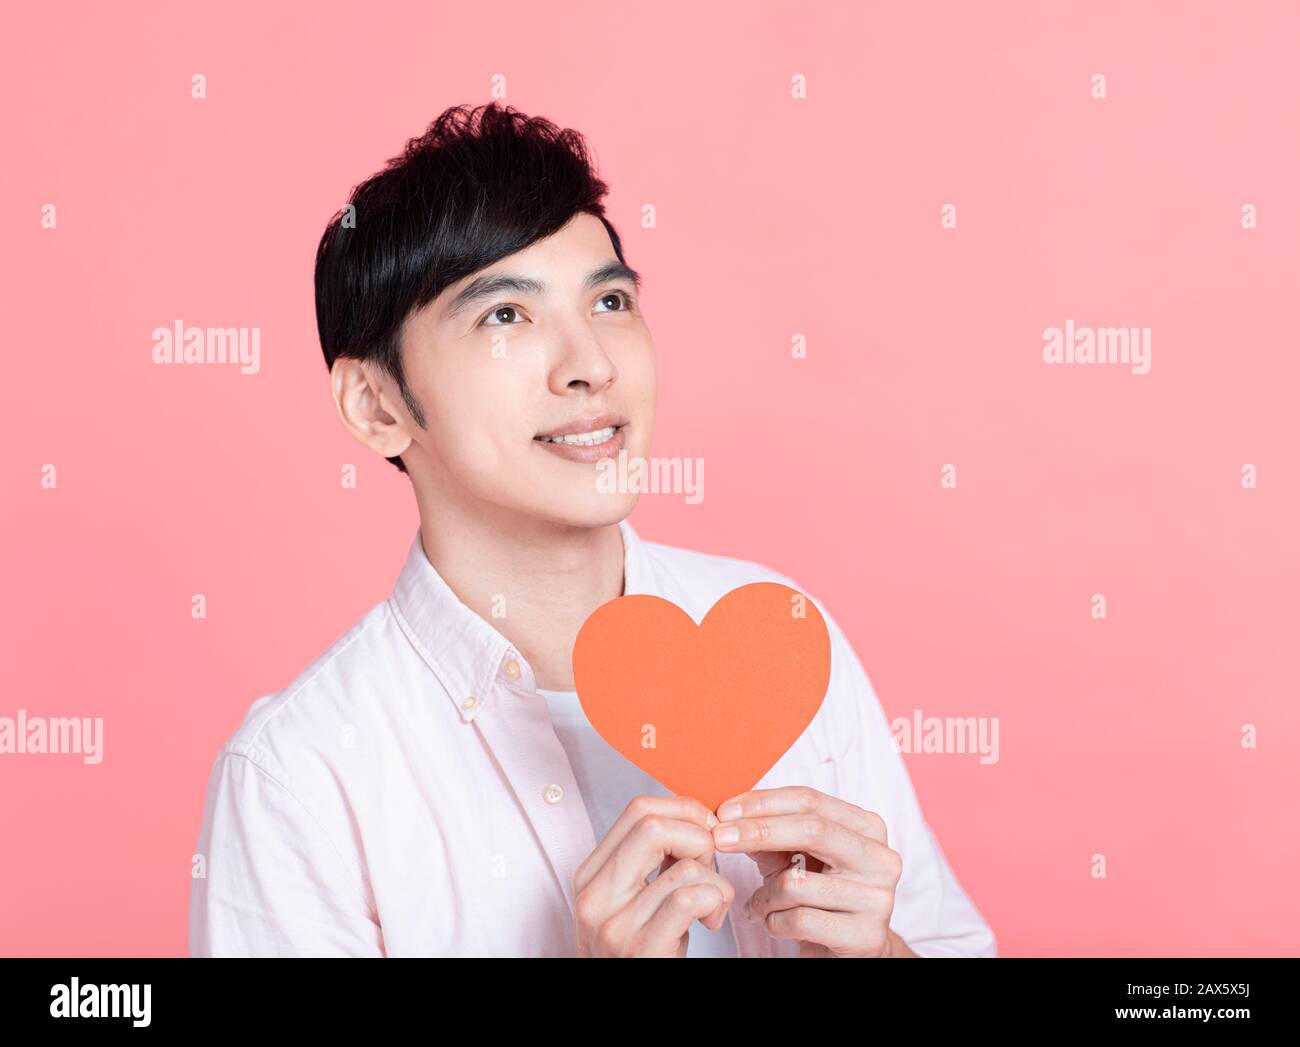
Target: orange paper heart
x,y
705,710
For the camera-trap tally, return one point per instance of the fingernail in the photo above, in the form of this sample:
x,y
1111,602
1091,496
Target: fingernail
x,y
726,834
729,812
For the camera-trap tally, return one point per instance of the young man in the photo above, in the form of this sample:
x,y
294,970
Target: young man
x,y
430,786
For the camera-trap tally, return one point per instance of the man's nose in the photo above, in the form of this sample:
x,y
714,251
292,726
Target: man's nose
x,y
581,361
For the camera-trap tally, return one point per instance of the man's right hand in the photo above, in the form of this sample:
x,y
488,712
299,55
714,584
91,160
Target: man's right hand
x,y
618,913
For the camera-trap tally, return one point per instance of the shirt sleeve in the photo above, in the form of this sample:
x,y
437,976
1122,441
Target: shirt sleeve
x,y
273,883
931,911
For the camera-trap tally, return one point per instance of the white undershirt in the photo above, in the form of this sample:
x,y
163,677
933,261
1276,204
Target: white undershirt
x,y
608,781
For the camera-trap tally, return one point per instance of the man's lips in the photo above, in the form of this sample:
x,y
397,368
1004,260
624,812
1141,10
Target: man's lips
x,y
585,439
588,425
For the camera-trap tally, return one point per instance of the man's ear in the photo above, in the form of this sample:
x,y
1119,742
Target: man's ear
x,y
361,398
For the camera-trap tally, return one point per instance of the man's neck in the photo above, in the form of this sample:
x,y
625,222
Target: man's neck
x,y
534,581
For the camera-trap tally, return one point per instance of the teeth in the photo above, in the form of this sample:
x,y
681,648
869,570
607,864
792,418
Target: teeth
x,y
599,436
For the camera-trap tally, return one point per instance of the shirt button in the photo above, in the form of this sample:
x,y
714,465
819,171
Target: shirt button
x,y
513,672
552,794
469,704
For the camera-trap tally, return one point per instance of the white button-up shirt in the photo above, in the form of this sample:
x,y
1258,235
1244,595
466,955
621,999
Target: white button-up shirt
x,y
407,794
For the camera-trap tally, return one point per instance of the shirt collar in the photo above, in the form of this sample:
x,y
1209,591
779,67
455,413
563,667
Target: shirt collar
x,y
467,655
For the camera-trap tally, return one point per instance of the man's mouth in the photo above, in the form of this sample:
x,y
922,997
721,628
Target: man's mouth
x,y
585,439
598,436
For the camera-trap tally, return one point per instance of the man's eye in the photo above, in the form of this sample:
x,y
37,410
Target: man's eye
x,y
619,299
502,314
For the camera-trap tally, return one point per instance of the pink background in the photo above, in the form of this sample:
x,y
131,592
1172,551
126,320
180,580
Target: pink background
x,y
775,217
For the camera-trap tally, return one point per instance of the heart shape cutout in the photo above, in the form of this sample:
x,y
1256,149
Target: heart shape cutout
x,y
705,710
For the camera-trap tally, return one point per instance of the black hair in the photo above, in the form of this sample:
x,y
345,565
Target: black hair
x,y
480,184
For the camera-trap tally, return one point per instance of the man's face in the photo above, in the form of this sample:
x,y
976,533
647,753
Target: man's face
x,y
530,372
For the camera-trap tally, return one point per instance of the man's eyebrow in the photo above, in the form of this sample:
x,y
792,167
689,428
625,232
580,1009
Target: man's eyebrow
x,y
611,271
510,283
490,287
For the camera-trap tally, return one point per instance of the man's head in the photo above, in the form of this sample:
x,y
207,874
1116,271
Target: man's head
x,y
473,300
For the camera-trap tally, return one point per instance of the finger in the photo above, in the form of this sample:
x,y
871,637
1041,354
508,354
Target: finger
x,y
684,872
809,833
839,932
649,841
715,920
793,888
681,807
772,862
663,933
883,866
803,799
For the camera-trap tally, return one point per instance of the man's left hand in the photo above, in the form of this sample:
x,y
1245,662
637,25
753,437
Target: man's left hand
x,y
828,872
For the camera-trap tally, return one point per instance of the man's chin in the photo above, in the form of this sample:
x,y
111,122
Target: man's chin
x,y
592,509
